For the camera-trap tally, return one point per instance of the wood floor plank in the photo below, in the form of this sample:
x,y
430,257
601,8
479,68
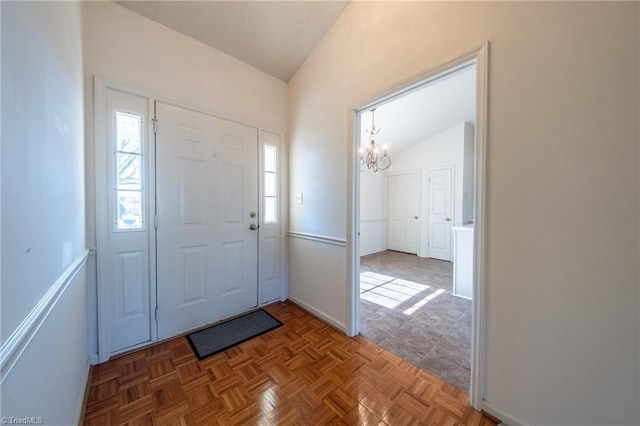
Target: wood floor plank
x,y
303,373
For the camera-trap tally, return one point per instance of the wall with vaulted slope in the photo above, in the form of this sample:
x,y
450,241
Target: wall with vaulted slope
x,y
563,187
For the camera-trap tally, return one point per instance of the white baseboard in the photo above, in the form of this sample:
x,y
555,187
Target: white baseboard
x,y
461,296
321,315
365,253
505,418
84,394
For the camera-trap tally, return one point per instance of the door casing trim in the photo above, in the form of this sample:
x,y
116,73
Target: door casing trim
x,y
480,55
100,87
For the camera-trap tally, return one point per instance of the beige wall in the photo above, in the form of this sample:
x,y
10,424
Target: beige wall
x,y
563,186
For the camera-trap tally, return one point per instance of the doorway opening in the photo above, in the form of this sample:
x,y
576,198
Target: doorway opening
x,y
411,291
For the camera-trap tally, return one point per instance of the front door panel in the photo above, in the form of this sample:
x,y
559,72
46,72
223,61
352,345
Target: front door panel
x,y
206,189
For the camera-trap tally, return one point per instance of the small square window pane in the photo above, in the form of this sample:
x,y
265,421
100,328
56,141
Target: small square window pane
x,y
129,211
129,172
270,184
269,158
128,132
270,210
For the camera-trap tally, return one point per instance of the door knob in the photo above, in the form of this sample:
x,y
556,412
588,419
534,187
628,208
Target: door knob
x,y
448,219
415,217
253,227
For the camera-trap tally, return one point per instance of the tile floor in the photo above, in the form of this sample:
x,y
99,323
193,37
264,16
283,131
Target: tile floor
x,y
406,307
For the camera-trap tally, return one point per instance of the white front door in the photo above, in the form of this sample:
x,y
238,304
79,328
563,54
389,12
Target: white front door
x,y
440,213
207,198
403,208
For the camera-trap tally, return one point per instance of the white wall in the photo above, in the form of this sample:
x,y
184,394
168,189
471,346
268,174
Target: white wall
x,y
43,227
124,47
373,212
50,376
563,186
328,262
42,153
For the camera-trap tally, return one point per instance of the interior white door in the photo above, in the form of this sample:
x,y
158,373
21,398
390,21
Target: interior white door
x,y
403,207
207,200
440,213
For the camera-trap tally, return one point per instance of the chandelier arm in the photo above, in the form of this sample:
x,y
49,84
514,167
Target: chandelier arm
x,y
369,156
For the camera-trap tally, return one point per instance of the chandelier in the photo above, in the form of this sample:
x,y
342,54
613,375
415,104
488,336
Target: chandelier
x,y
370,155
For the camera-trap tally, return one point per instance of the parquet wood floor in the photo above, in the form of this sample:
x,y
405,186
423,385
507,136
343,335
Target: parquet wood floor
x,y
303,373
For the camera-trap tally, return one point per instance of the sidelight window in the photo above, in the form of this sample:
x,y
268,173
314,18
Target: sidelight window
x,y
270,184
129,191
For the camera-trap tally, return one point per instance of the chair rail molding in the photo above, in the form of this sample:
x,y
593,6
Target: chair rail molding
x,y
318,238
16,344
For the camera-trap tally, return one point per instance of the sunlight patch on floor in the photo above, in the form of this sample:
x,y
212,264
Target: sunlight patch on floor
x,y
390,292
424,301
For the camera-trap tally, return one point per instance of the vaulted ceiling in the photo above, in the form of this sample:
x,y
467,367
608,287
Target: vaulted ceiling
x,y
425,112
277,36
273,36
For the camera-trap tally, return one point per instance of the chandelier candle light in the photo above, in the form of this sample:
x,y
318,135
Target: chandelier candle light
x,y
369,155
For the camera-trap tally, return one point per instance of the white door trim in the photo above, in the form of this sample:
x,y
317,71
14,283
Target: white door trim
x,y
100,87
101,152
102,245
479,55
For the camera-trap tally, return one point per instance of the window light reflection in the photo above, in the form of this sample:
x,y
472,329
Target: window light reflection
x,y
390,292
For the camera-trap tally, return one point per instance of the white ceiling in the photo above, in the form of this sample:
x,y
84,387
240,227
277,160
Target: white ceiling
x,y
422,114
273,36
277,36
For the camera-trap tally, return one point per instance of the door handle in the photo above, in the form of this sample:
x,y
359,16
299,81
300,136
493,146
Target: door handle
x,y
415,217
448,219
253,226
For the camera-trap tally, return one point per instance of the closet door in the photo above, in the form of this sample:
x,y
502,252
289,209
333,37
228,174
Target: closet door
x,y
403,212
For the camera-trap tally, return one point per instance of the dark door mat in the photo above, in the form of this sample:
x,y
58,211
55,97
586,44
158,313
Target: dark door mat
x,y
220,337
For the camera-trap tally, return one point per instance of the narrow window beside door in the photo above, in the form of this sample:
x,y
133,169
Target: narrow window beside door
x,y
128,162
270,186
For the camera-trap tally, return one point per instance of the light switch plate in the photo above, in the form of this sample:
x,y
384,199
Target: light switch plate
x,y
299,198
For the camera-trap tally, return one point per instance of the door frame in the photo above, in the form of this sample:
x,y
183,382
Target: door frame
x,y
480,55
101,152
100,87
452,205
